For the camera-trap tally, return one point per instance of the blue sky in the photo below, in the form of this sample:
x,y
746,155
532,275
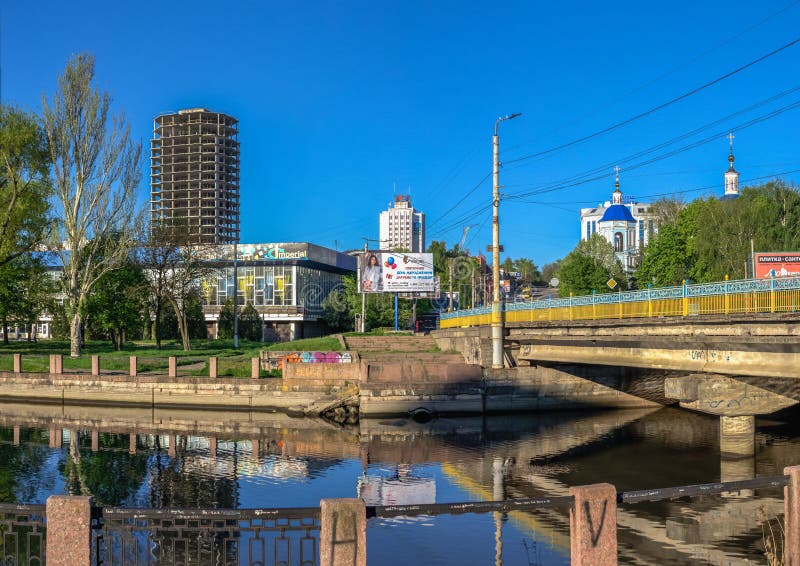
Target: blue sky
x,y
339,102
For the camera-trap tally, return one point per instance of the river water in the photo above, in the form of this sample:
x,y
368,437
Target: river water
x,y
241,460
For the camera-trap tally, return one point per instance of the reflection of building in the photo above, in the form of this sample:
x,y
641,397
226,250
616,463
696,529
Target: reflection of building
x,y
402,227
194,174
285,282
627,224
402,489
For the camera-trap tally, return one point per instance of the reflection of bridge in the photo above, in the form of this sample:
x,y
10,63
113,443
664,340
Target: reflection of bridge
x,y
729,349
492,458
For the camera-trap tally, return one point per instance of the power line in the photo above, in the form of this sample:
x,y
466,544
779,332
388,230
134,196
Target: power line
x,y
671,193
678,67
660,106
452,208
594,174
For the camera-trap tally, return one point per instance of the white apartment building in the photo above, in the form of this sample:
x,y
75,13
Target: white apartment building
x,y
402,227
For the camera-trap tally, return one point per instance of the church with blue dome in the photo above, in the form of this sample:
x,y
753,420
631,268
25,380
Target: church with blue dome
x,y
627,224
630,225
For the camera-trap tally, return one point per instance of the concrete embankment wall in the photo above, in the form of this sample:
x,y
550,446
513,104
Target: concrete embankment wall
x,y
156,391
386,385
477,390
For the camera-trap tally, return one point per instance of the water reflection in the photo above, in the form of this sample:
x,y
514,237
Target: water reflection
x,y
143,458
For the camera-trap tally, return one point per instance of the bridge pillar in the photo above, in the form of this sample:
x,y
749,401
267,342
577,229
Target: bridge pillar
x,y
735,401
737,436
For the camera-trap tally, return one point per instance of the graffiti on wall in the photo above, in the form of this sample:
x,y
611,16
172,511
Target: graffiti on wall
x,y
275,360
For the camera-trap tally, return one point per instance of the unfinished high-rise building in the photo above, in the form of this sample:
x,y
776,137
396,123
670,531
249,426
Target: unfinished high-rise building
x,y
194,174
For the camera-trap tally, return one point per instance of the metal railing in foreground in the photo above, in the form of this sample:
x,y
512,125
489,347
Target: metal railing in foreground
x,y
138,537
22,534
334,534
749,296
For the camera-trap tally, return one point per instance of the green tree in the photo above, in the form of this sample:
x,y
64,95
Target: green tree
x,y
665,260
96,169
341,306
549,271
26,293
589,266
528,271
194,320
115,306
250,323
225,321
24,184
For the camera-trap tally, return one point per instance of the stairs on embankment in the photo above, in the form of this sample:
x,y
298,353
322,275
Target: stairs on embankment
x,y
390,343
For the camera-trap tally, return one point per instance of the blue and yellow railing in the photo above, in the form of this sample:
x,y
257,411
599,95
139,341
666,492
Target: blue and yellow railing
x,y
776,295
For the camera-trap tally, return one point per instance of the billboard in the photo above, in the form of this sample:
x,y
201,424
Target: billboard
x,y
391,272
781,264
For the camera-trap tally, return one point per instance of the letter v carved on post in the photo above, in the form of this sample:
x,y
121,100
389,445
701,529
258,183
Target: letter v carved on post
x,y
595,536
593,525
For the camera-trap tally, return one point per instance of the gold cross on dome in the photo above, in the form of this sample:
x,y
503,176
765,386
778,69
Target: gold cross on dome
x,y
730,137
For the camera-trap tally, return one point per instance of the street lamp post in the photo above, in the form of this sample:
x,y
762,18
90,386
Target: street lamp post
x,y
235,295
497,306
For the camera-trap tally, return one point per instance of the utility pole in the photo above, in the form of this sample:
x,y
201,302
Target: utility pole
x,y
472,304
497,305
235,295
363,298
450,308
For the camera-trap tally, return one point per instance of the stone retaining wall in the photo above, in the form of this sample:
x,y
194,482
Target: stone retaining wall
x,y
152,391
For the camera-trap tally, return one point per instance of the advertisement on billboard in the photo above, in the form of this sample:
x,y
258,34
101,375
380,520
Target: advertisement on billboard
x,y
391,272
781,264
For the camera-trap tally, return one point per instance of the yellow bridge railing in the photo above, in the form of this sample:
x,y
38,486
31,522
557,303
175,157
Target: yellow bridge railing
x,y
776,295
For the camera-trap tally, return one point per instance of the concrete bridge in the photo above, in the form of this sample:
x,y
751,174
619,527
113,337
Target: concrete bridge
x,y
734,366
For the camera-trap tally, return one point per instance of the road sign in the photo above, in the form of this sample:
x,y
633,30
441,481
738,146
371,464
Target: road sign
x,y
611,283
489,248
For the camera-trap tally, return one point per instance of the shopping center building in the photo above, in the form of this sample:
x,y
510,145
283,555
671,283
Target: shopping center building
x,y
285,282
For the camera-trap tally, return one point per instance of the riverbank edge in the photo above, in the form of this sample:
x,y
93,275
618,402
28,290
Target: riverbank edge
x,y
385,390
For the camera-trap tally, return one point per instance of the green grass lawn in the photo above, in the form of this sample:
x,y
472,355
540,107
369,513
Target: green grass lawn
x,y
324,344
234,362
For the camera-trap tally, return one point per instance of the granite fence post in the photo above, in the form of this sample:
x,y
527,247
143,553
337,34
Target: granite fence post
x,y
56,364
255,368
69,530
343,532
132,443
173,367
55,437
593,525
791,514
213,367
95,365
95,440
16,438
17,363
133,366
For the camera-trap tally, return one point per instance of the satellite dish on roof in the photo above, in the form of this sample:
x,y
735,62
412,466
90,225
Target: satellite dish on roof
x,y
554,282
